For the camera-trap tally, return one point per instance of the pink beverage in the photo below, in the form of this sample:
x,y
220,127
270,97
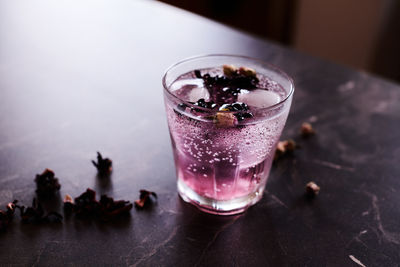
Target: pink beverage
x,y
225,116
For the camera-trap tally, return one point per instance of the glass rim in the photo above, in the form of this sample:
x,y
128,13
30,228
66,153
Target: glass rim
x,y
269,65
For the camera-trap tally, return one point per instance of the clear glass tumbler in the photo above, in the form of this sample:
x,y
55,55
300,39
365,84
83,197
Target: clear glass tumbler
x,y
223,155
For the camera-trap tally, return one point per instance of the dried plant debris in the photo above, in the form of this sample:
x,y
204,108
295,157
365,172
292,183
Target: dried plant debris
x,y
225,88
241,110
36,215
47,184
86,206
224,120
104,166
285,147
244,78
145,199
68,205
110,209
247,72
312,189
306,130
6,216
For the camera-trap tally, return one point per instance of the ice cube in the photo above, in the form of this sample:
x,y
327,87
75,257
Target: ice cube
x,y
259,98
190,90
197,93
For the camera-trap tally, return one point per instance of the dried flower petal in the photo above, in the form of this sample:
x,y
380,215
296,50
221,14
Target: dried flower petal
x,y
197,73
68,205
144,199
36,215
111,209
225,120
306,129
106,209
47,184
225,89
312,189
7,216
290,145
104,166
86,204
248,72
285,147
229,70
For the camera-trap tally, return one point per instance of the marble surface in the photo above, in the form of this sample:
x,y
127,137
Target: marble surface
x,y
78,77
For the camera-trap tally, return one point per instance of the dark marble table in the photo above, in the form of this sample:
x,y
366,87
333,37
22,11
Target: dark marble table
x,y
78,77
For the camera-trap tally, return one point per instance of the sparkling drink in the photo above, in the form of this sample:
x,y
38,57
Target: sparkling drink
x,y
225,122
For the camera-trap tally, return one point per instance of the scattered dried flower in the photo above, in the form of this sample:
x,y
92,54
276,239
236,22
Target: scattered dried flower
x,y
312,189
86,204
306,129
68,205
7,216
144,199
47,184
106,209
284,147
104,166
36,215
110,209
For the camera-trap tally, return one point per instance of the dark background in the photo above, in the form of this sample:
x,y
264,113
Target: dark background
x,y
363,34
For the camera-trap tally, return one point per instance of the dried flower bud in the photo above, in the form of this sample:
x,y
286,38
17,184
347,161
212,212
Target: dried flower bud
x,y
104,166
248,72
7,216
36,215
86,204
290,145
306,129
224,120
47,184
197,73
284,147
11,207
110,209
68,204
229,70
312,189
144,199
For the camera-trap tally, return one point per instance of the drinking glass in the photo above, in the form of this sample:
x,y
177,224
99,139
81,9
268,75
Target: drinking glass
x,y
222,164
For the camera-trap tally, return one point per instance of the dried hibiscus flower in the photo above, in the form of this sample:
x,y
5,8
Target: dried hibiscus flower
x,y
284,147
312,189
306,129
68,205
104,166
36,215
7,216
87,206
110,209
144,198
47,184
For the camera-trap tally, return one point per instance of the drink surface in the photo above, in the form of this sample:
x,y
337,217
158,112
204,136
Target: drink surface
x,y
220,152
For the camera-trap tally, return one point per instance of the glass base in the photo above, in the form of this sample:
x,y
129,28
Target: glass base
x,y
219,207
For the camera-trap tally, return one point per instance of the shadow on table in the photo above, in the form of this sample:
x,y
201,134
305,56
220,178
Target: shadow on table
x,y
223,240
